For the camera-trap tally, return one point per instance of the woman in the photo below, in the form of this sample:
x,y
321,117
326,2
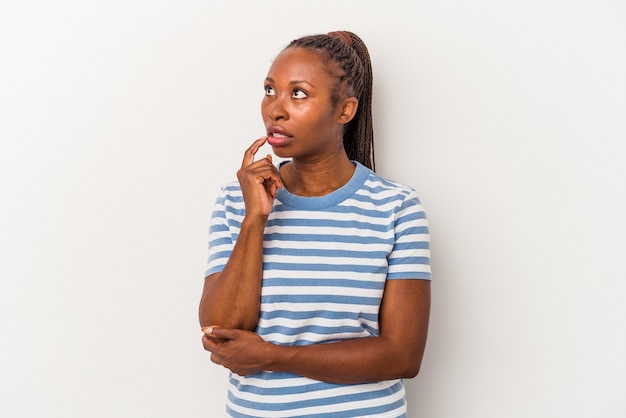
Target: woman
x,y
317,290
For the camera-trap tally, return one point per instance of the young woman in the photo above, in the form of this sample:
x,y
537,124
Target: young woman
x,y
317,290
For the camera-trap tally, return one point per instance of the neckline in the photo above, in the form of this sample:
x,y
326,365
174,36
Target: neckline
x,y
331,199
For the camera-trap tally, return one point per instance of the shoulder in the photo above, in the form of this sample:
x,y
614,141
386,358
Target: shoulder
x,y
230,197
232,187
383,187
231,190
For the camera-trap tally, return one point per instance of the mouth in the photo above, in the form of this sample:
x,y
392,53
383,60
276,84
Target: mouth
x,y
278,137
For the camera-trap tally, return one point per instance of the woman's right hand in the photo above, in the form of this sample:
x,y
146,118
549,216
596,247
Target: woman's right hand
x,y
259,180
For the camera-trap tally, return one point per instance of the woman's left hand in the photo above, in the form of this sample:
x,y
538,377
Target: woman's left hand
x,y
242,352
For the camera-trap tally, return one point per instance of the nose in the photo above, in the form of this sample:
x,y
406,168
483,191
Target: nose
x,y
276,109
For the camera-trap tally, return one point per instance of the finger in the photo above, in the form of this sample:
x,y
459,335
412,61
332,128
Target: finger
x,y
273,189
215,359
210,343
207,334
221,333
263,172
274,180
265,162
248,156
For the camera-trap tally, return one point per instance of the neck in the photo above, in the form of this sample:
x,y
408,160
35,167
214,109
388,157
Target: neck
x,y
317,178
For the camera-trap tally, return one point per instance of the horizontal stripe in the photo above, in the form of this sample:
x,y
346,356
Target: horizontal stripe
x,y
324,330
331,234
320,314
328,323
317,259
337,255
318,282
335,274
351,404
371,215
307,390
314,334
382,247
322,298
322,292
322,267
301,307
325,264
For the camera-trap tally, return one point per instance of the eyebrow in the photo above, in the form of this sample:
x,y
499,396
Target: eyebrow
x,y
294,82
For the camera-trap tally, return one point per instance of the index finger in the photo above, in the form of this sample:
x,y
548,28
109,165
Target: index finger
x,y
212,343
248,156
220,333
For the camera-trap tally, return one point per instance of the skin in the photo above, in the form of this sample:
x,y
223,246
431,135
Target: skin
x,y
298,103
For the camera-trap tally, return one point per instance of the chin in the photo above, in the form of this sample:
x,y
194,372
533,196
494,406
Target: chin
x,y
281,152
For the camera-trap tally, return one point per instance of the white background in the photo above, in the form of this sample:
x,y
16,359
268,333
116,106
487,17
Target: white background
x,y
120,120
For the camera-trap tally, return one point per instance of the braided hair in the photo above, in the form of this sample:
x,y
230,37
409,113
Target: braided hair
x,y
353,69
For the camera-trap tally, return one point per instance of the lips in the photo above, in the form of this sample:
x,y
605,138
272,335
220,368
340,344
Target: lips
x,y
278,137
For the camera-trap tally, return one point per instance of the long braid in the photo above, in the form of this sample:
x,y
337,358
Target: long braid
x,y
350,54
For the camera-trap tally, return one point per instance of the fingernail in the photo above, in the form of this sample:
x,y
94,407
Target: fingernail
x,y
207,330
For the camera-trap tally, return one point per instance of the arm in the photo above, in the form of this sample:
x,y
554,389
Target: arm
x,y
396,353
231,298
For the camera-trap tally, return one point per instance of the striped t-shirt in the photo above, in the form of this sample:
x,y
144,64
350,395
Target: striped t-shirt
x,y
325,263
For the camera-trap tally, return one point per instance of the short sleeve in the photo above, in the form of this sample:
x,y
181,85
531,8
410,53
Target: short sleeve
x,y
410,256
224,227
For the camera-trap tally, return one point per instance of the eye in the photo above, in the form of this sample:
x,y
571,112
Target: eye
x,y
269,91
299,94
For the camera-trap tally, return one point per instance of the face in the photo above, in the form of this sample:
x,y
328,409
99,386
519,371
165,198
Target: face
x,y
299,115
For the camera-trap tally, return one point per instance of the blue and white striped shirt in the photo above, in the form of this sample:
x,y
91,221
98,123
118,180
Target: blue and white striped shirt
x,y
325,263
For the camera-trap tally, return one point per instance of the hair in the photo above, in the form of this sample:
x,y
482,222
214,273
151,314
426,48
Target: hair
x,y
353,69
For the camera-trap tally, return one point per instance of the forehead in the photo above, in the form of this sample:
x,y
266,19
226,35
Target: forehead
x,y
299,64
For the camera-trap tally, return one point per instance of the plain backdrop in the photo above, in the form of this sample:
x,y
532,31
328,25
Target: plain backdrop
x,y
120,120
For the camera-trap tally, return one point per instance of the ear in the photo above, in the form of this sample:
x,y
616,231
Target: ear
x,y
348,110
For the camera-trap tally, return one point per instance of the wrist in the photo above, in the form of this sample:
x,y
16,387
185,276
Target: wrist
x,y
254,221
277,357
270,356
254,225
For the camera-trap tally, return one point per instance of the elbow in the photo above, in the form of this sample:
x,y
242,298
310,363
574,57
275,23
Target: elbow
x,y
204,315
210,316
410,360
405,359
410,369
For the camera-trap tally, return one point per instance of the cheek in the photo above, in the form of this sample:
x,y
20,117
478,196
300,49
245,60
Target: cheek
x,y
311,112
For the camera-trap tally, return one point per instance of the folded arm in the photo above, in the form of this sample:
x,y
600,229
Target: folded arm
x,y
396,353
